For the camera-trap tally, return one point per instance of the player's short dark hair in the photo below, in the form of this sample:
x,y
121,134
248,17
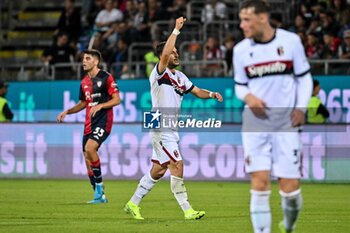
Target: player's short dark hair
x,y
159,48
315,83
260,6
95,53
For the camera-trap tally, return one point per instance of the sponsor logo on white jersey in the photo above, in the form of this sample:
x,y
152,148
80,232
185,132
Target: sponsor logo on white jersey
x,y
269,68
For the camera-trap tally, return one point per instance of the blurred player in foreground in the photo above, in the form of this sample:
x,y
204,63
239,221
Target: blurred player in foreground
x,y
272,77
98,94
168,86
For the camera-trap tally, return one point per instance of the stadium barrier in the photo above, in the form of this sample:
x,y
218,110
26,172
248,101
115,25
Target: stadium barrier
x,y
54,151
12,71
19,71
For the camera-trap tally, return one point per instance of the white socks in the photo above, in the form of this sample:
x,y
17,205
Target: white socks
x,y
260,211
291,205
179,190
144,187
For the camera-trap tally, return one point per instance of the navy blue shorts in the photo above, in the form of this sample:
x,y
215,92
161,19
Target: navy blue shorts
x,y
98,134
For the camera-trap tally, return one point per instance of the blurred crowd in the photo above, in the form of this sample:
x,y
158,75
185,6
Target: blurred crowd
x,y
323,26
111,26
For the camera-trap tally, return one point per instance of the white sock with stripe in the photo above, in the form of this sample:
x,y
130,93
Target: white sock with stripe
x,y
143,188
260,211
291,205
179,190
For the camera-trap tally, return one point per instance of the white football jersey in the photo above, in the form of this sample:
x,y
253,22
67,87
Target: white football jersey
x,y
270,70
167,89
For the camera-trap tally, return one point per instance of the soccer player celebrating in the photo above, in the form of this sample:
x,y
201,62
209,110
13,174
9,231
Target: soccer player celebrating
x,y
168,86
272,77
98,94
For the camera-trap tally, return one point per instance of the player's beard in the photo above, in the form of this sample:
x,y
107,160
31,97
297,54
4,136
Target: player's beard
x,y
88,69
258,36
172,65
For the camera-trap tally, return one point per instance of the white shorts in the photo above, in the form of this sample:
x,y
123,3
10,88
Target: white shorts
x,y
279,153
165,148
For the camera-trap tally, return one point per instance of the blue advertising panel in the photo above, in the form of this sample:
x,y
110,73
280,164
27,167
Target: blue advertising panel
x,y
55,151
42,101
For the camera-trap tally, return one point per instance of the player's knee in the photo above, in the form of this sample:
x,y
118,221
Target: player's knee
x,y
159,174
260,184
176,168
90,149
177,174
157,171
260,181
289,185
177,171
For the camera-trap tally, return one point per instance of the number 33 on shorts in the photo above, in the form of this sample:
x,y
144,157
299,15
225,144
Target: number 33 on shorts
x,y
98,132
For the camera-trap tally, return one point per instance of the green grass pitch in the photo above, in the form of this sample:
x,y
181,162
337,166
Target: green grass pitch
x,y
58,206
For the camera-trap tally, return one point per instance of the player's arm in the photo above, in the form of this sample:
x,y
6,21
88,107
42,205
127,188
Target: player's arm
x,y
304,92
169,45
304,83
77,108
115,100
205,94
256,104
242,91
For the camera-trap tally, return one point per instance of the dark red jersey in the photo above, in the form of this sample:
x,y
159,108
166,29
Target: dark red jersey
x,y
95,91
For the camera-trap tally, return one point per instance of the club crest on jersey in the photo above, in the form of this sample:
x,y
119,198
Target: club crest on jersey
x,y
280,51
179,80
99,83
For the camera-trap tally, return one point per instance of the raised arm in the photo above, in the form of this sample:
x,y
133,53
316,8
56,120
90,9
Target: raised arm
x,y
170,44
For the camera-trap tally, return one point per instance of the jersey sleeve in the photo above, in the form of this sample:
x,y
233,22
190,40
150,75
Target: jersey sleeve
x,y
240,75
188,84
300,62
81,94
111,86
155,75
